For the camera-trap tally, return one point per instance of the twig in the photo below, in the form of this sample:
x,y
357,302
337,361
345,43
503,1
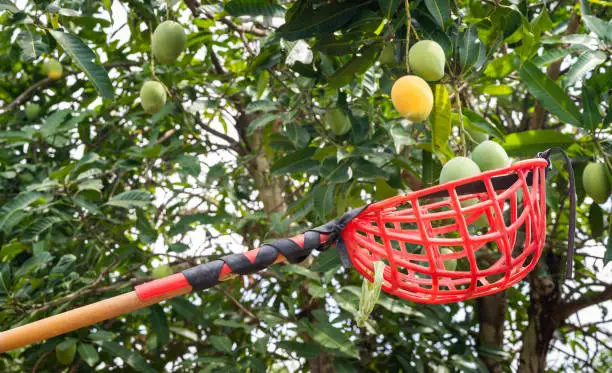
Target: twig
x,y
194,7
166,136
82,291
39,361
461,129
225,137
239,305
41,83
408,27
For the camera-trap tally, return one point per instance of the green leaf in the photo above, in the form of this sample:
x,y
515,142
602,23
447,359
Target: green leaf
x,y
305,350
131,198
325,19
529,143
389,7
31,44
323,199
355,66
384,190
506,19
401,138
189,164
344,366
482,124
439,10
267,8
366,170
296,269
8,5
221,343
298,134
469,47
340,45
608,255
36,261
159,324
591,116
326,261
88,353
39,226
131,358
186,309
331,338
597,26
552,56
94,184
185,222
497,90
261,122
101,335
440,120
299,161
501,67
148,234
17,204
64,265
262,105
10,250
550,95
233,324
596,220
185,333
585,63
84,58
334,171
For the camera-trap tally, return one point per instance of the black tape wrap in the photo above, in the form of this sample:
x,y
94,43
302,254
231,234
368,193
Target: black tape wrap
x,y
207,275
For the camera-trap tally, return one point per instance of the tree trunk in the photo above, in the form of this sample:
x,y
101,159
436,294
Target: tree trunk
x,y
544,318
491,318
270,188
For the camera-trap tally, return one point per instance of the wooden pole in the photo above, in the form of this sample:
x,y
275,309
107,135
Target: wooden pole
x,y
79,317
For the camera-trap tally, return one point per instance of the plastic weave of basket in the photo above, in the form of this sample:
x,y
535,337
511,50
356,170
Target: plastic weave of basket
x,y
496,236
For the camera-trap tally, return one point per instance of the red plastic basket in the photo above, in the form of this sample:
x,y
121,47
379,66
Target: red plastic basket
x,y
496,236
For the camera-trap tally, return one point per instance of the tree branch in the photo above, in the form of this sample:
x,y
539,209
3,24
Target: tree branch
x,y
44,82
194,7
225,137
585,301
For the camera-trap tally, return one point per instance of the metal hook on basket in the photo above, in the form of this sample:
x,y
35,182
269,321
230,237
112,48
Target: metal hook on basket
x,y
572,214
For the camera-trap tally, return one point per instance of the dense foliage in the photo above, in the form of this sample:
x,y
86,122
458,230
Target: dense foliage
x,y
95,193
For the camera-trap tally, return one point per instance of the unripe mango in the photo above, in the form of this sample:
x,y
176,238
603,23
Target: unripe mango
x,y
337,121
152,96
458,168
596,182
31,111
449,264
53,68
426,59
387,56
412,98
489,155
168,42
65,354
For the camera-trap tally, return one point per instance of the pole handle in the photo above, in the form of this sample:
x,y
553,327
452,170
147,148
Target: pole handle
x,y
80,317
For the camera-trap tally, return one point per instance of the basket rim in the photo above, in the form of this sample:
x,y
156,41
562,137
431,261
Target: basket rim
x,y
421,193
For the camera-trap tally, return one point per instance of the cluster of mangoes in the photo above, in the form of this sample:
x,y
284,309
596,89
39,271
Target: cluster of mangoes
x,y
167,43
411,94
